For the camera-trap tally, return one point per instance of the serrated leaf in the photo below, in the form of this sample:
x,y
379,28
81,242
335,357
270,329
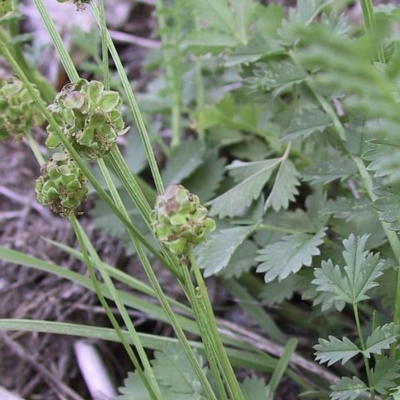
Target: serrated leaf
x,y
133,389
384,375
288,255
381,338
305,123
184,160
215,14
276,76
276,292
255,389
205,180
173,369
348,208
244,13
348,389
358,276
284,188
210,41
254,176
257,47
388,205
216,252
242,261
327,171
334,350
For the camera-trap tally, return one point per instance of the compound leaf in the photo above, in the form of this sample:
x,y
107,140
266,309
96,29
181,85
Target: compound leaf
x,y
184,160
288,255
348,389
384,374
255,389
350,283
243,259
253,176
284,188
329,170
334,350
173,369
215,254
305,123
380,339
205,180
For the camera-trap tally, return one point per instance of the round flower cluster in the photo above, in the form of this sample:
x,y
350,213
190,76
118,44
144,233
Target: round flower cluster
x,y
62,186
18,111
89,116
179,220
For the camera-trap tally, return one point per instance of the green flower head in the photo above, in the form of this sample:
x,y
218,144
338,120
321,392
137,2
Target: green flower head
x,y
179,220
18,111
62,185
89,116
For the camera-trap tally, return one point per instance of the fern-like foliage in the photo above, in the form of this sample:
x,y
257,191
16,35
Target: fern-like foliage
x,y
349,283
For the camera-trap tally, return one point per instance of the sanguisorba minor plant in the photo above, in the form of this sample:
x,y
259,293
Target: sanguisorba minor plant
x,y
307,115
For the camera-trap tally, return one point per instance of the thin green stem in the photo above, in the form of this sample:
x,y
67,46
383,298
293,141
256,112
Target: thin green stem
x,y
174,322
104,48
227,369
172,59
96,185
156,286
129,180
209,346
134,108
142,354
58,43
371,29
391,235
363,347
83,242
35,149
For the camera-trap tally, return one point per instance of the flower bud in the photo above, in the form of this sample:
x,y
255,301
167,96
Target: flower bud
x,y
62,185
89,116
18,111
179,220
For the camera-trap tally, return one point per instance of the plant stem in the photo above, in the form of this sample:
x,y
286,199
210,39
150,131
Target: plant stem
x,y
362,343
371,29
35,149
104,48
152,386
134,108
172,61
227,369
65,58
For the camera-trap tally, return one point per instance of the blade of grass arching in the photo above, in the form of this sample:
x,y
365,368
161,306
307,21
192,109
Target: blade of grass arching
x,y
282,364
88,174
153,342
134,108
65,58
130,300
253,308
143,367
371,29
124,278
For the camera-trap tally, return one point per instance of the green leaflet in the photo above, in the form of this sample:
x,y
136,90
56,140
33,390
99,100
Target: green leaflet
x,y
287,256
